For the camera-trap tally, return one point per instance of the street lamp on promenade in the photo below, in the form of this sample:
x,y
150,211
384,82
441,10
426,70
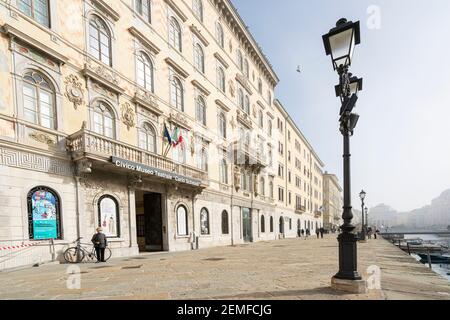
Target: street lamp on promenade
x,y
340,43
362,196
367,217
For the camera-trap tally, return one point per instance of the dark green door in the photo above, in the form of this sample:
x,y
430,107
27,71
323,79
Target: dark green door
x,y
247,225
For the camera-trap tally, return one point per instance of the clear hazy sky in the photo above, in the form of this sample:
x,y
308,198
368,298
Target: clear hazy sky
x,y
401,147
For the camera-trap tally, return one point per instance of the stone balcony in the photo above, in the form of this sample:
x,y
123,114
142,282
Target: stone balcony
x,y
300,209
87,145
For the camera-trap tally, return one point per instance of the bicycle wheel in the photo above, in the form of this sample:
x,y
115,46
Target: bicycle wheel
x,y
108,254
73,255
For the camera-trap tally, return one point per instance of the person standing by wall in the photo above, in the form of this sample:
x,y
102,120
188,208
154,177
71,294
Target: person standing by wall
x,y
100,243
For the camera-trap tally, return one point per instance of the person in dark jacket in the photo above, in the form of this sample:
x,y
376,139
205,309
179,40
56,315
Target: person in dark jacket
x,y
322,231
318,233
100,243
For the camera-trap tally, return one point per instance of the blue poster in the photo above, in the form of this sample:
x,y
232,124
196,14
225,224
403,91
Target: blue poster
x,y
44,215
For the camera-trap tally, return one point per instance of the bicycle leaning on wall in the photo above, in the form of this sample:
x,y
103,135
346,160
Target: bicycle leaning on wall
x,y
80,252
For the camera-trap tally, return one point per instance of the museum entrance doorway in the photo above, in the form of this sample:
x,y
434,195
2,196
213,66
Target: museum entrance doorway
x,y
149,221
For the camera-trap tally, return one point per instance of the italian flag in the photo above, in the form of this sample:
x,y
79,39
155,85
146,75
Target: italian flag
x,y
177,138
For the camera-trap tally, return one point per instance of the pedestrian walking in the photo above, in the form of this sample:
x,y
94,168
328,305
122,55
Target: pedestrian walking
x,y
100,243
308,232
322,231
318,233
303,233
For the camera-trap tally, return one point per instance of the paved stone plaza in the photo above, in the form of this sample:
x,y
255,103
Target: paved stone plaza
x,y
285,269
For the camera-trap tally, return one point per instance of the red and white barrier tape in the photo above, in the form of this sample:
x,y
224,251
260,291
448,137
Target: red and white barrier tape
x,y
21,246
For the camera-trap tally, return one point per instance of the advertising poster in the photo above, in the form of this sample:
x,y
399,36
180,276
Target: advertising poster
x,y
108,217
44,215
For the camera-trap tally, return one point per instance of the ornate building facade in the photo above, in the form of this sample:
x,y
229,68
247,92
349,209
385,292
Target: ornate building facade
x,y
332,202
90,90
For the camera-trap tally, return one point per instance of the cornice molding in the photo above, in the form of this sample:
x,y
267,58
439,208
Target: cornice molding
x,y
13,33
177,9
106,8
101,75
221,60
244,82
144,40
199,86
261,104
199,35
222,105
147,100
177,67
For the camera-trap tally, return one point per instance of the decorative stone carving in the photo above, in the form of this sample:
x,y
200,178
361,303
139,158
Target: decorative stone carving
x,y
237,178
134,180
254,111
31,161
102,72
179,119
255,185
128,115
192,145
83,167
42,138
233,123
232,89
230,46
74,90
147,99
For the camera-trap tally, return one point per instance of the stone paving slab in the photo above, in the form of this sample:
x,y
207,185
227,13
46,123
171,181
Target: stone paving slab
x,y
292,269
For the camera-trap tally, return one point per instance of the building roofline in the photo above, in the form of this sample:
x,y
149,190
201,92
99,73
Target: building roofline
x,y
244,29
334,178
299,132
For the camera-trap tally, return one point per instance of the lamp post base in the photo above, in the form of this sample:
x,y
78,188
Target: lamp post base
x,y
349,286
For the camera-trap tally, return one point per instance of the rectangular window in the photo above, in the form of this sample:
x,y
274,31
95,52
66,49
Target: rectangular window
x,y
36,9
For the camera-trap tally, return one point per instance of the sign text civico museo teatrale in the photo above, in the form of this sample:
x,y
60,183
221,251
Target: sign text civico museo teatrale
x,y
133,166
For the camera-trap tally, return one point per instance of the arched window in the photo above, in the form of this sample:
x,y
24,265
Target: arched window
x,y
200,107
223,125
240,60
197,7
223,171
143,7
247,105
241,99
147,138
108,216
281,225
246,68
44,214
271,224
261,119
204,222
202,160
182,221
100,40
39,100
263,224
38,10
221,79
262,186
199,58
225,223
104,120
220,37
145,71
177,94
175,34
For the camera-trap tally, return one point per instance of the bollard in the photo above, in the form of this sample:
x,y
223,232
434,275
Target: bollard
x,y
429,259
409,250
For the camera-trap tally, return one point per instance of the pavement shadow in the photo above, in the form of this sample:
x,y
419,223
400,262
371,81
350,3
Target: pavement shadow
x,y
285,294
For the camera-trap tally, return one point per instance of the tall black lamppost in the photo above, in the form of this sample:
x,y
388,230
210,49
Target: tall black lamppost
x,y
340,43
362,196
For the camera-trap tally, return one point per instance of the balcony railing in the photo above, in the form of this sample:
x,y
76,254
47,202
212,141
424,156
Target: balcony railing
x,y
300,209
85,143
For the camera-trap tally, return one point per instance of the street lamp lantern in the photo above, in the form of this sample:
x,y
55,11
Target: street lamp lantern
x,y
340,42
362,195
356,85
